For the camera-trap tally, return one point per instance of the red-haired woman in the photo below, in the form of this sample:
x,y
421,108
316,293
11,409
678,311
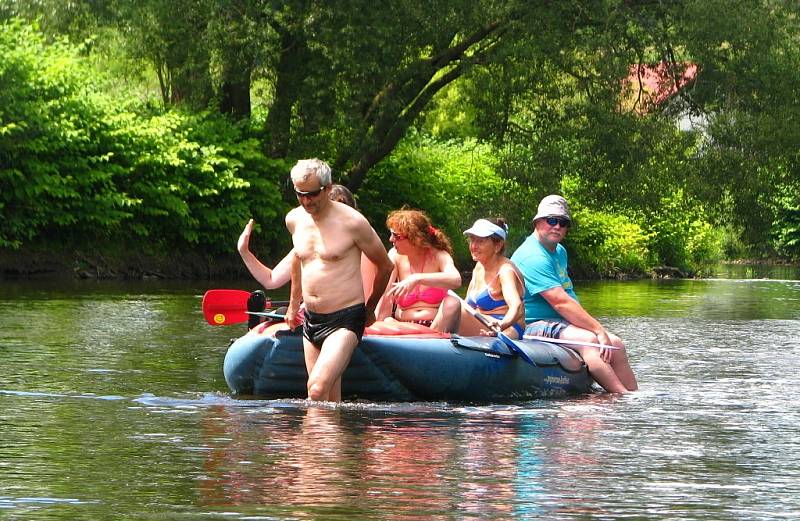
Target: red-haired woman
x,y
423,272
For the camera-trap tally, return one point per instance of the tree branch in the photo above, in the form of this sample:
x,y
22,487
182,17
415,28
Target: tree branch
x,y
400,101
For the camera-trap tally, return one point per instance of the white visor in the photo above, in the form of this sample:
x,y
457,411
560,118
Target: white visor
x,y
484,228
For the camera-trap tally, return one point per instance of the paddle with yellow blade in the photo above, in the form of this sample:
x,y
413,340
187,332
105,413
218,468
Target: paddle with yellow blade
x,y
222,307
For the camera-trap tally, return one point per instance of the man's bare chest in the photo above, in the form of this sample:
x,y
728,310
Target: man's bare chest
x,y
330,244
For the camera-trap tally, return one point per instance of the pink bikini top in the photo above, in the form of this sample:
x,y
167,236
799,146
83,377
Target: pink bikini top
x,y
432,295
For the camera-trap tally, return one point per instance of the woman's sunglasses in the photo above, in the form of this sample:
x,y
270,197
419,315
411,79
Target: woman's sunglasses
x,y
396,236
552,221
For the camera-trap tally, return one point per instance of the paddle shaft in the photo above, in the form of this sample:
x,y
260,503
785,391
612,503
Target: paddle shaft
x,y
277,303
483,320
267,314
568,342
472,311
513,346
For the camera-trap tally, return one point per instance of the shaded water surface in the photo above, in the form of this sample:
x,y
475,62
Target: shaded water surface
x,y
113,406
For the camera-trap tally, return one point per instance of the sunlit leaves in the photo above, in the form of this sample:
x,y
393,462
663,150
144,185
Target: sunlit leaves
x,y
74,161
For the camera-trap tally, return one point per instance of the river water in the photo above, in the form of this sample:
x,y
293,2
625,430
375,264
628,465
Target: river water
x,y
113,406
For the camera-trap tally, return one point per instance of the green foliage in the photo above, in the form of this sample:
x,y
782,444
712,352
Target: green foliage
x,y
672,232
454,182
81,167
172,36
731,243
608,245
86,156
196,179
54,168
786,226
681,237
750,60
450,116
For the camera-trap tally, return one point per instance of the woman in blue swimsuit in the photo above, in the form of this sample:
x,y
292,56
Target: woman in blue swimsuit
x,y
496,287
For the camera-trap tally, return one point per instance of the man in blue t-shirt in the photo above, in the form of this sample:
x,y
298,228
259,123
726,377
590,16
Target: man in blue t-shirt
x,y
551,307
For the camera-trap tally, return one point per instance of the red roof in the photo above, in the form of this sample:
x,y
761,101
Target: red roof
x,y
657,82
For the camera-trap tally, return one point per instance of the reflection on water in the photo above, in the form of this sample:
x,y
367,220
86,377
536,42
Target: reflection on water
x,y
113,406
757,271
702,298
489,462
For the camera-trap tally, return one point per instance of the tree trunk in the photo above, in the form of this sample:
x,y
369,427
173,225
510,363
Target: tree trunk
x,y
290,72
383,141
235,93
396,107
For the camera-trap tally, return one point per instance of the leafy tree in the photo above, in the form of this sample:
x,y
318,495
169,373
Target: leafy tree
x,y
540,87
747,89
556,108
78,167
349,80
77,19
172,36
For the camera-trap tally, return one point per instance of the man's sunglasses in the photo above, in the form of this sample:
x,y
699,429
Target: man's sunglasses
x,y
311,193
552,221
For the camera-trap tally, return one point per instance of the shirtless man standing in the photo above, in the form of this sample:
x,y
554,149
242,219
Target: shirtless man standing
x,y
328,239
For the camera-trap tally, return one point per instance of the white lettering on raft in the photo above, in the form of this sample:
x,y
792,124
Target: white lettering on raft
x,y
556,380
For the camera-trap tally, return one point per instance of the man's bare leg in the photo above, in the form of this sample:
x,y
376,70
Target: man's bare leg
x,y
336,391
324,376
621,365
602,371
310,354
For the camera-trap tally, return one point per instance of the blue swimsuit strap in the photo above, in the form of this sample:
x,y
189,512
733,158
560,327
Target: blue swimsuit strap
x,y
484,299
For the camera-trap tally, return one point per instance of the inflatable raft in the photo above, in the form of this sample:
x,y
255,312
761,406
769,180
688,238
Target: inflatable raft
x,y
406,362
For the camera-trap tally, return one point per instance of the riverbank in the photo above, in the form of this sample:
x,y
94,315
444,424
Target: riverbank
x,y
137,265
128,265
133,264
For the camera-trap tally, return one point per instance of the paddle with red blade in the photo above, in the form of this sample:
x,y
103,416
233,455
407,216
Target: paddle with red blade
x,y
222,307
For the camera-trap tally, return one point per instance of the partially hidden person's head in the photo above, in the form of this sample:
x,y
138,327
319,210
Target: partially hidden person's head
x,y
553,210
342,194
416,227
494,229
310,178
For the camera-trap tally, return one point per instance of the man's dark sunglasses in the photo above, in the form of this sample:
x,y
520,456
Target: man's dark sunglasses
x,y
564,223
311,193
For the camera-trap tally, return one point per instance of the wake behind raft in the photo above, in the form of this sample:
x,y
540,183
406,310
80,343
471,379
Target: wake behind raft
x,y
399,361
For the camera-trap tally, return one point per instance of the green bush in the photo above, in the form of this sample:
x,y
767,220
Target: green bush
x,y
453,182
733,247
607,245
630,242
681,237
196,180
54,170
81,168
786,224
